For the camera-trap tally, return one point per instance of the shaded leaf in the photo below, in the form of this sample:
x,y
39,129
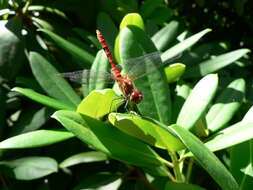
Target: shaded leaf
x,y
29,168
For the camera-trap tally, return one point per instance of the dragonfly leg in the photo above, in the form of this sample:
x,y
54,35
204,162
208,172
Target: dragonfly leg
x,y
118,98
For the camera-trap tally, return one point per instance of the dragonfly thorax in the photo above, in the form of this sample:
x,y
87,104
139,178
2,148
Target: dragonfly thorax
x,y
136,97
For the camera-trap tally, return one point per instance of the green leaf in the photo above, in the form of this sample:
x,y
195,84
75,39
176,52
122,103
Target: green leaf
x,y
99,103
174,71
84,157
147,130
72,49
48,9
132,19
31,119
99,181
29,168
148,6
165,36
233,135
45,100
242,168
226,105
182,91
215,64
173,186
207,159
109,140
54,85
99,66
3,97
108,28
157,104
175,50
199,98
88,37
34,139
12,54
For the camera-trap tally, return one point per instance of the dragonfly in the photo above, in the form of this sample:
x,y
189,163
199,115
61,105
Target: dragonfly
x,y
125,81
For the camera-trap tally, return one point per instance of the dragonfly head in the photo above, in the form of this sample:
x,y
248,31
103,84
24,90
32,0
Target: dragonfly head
x,y
137,97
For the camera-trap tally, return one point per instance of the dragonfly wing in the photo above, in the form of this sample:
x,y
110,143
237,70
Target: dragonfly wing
x,y
88,76
143,65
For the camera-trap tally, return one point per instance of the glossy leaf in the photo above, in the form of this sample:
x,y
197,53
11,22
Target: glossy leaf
x,y
207,159
215,64
132,19
109,140
178,48
29,168
54,85
43,99
181,93
226,105
174,71
72,49
31,119
235,134
99,103
147,131
199,98
12,54
34,139
100,64
165,36
157,103
84,157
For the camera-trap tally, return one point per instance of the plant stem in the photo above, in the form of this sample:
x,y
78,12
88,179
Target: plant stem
x,y
27,4
176,167
189,170
169,164
14,3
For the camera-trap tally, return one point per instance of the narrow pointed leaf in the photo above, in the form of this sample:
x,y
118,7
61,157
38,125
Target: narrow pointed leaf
x,y
54,85
100,64
179,48
69,47
197,102
34,139
45,100
165,36
207,159
84,157
215,64
226,105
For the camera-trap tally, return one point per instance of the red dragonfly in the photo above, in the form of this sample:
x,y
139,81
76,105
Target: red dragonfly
x,y
124,81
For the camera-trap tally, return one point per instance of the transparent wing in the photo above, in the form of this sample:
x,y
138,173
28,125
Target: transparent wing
x,y
143,65
88,76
